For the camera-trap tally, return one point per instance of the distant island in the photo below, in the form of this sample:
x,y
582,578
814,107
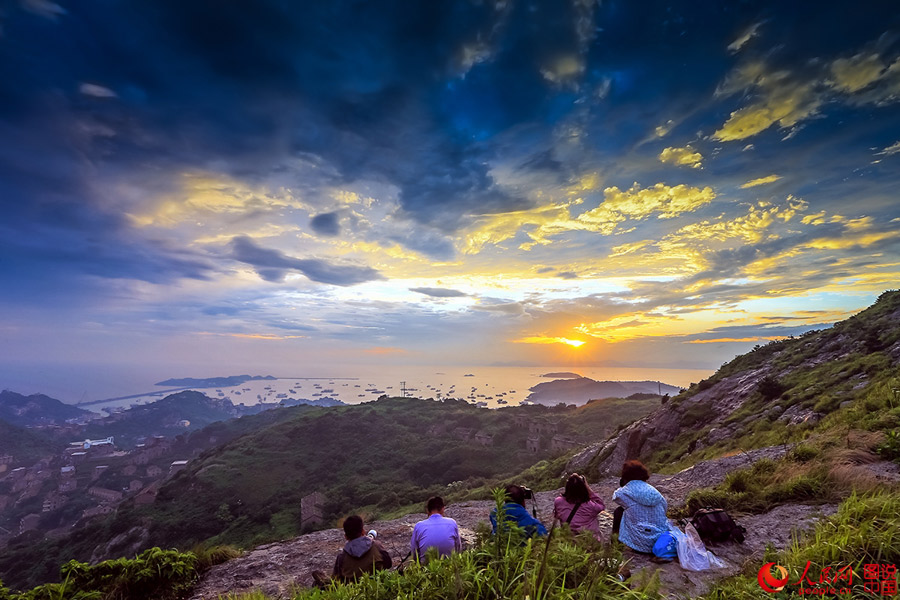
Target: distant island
x,y
229,381
580,390
562,375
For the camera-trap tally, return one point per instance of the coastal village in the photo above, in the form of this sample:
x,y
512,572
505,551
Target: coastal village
x,y
88,479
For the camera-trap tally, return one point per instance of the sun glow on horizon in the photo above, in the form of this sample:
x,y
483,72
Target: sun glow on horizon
x,y
538,339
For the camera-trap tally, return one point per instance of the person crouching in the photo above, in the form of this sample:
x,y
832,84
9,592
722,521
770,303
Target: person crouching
x,y
361,554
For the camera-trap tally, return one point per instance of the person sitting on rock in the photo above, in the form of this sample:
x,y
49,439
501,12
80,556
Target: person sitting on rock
x,y
437,531
579,506
361,554
517,514
640,517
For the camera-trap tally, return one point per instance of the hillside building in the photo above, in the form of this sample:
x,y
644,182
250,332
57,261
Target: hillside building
x,y
311,509
53,502
148,494
533,444
104,494
96,511
463,433
484,438
29,522
177,466
562,443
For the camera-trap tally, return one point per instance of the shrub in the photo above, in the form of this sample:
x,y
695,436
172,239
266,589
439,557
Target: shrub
x,y
866,530
770,388
803,453
890,448
153,575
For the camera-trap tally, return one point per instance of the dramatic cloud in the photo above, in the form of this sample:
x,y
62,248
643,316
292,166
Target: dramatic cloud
x,y
760,181
273,265
890,150
438,292
316,182
682,156
785,102
853,74
745,36
326,224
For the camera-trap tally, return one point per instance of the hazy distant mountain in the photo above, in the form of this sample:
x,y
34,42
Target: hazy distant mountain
x,y
173,415
229,381
37,409
579,390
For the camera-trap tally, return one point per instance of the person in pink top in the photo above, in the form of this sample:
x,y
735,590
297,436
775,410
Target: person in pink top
x,y
579,506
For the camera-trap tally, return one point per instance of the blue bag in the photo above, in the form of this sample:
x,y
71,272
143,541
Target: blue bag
x,y
665,546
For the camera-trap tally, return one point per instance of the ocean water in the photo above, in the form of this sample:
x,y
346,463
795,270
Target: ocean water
x,y
494,386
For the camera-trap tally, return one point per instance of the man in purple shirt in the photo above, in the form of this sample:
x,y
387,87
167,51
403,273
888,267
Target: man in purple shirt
x,y
437,531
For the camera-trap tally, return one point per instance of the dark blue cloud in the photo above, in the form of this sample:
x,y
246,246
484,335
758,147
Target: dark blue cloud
x,y
326,224
273,265
379,91
438,292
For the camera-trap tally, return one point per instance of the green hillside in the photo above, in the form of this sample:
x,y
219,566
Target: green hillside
x,y
163,417
373,457
25,446
36,409
810,377
839,383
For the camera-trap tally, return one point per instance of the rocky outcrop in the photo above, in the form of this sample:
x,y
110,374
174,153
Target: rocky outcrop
x,y
129,543
277,568
708,408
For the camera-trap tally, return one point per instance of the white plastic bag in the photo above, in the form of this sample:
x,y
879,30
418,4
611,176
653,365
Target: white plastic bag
x,y
692,553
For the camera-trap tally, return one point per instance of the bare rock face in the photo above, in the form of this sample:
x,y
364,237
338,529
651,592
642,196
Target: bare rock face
x,y
125,544
709,407
277,569
797,415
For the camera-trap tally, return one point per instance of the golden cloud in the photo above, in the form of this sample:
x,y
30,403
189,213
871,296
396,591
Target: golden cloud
x,y
686,156
542,223
664,129
637,203
761,181
539,339
208,194
855,73
495,229
785,103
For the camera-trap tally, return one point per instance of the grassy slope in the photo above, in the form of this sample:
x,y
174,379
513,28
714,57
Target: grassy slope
x,y
25,446
817,371
374,458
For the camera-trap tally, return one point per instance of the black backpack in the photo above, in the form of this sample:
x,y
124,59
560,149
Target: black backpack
x,y
715,525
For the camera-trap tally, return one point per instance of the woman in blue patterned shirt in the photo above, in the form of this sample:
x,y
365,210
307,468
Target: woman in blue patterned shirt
x,y
641,515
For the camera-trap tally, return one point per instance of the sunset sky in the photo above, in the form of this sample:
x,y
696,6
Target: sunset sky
x,y
219,187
